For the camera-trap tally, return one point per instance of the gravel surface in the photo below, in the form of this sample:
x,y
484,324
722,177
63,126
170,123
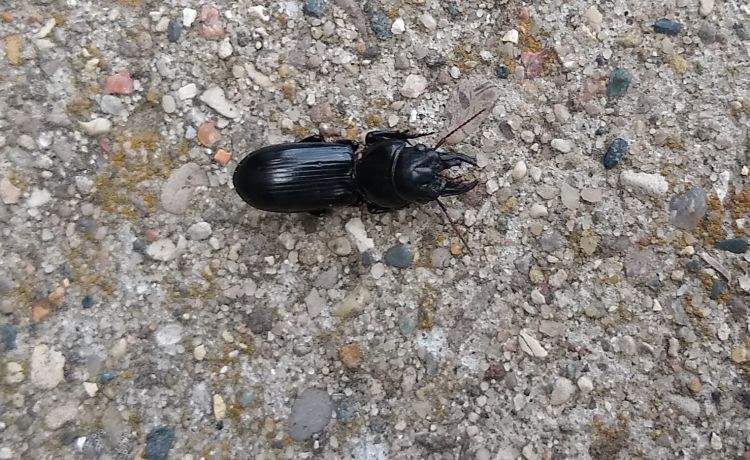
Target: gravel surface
x,y
599,312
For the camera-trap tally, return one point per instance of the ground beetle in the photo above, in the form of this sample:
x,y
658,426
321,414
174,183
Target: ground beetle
x,y
313,175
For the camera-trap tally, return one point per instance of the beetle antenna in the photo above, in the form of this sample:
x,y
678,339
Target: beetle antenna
x,y
442,141
453,224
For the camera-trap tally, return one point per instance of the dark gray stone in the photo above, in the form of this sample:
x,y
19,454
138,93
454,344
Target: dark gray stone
x,y
310,414
159,442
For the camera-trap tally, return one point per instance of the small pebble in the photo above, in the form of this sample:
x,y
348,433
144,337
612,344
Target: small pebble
x,y
351,355
188,91
222,157
220,407
562,145
538,210
734,245
616,150
706,6
199,231
96,126
214,98
667,27
511,36
650,184
119,83
503,71
159,442
208,135
174,30
398,27
316,8
106,377
310,414
414,86
686,211
398,256
188,16
519,170
168,104
585,385
562,391
592,195
619,82
428,21
379,22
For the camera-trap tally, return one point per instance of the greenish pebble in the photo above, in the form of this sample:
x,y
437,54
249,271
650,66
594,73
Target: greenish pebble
x,y
159,442
87,302
503,71
380,23
452,9
246,398
106,376
398,256
407,325
741,31
735,245
619,82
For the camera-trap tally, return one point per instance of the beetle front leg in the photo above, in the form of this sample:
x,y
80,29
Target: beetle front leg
x,y
379,136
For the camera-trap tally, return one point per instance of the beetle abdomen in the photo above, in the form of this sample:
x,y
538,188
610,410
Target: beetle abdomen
x,y
300,177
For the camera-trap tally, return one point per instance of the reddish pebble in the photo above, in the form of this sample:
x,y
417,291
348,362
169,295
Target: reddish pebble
x,y
533,62
7,17
222,157
524,14
105,144
455,249
40,311
119,83
208,135
150,235
211,26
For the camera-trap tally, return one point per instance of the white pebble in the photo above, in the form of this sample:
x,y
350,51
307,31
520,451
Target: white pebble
x,y
188,16
259,11
585,385
428,21
214,98
377,270
706,7
38,198
96,126
356,229
651,184
519,170
562,145
225,48
531,346
188,91
398,26
199,231
414,86
538,210
511,36
562,391
168,104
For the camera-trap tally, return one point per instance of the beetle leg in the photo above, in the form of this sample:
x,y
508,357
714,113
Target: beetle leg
x,y
350,142
457,188
313,138
450,160
379,136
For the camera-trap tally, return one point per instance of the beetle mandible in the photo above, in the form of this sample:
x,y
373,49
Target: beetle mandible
x,y
312,175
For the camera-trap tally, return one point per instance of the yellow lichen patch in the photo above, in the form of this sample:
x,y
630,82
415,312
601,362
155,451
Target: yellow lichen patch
x,y
80,105
374,121
675,145
119,186
679,64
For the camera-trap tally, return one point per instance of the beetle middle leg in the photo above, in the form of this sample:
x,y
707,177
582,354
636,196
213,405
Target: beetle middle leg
x,y
379,136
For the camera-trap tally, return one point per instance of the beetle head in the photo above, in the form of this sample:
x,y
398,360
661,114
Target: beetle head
x,y
419,174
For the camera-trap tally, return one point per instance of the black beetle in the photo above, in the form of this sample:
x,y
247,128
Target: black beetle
x,y
313,175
